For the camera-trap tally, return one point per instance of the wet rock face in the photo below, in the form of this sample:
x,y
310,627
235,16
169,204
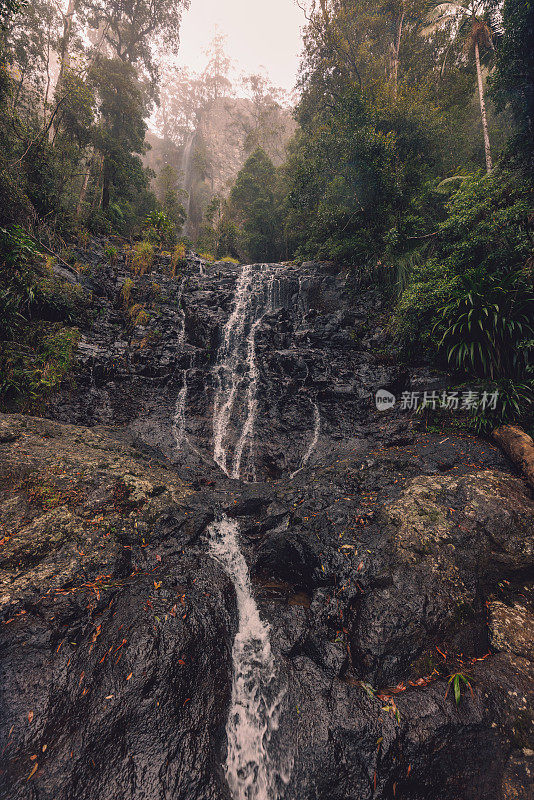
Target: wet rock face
x,y
307,348
110,616
390,560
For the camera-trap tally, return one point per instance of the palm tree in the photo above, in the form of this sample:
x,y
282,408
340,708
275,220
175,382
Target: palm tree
x,y
469,15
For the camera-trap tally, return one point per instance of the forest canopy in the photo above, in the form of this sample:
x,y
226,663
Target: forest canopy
x,y
411,164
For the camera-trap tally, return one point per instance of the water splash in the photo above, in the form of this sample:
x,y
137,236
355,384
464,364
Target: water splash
x,y
252,772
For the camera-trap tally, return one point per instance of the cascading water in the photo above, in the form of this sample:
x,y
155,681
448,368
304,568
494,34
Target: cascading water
x,y
186,169
252,770
313,443
236,373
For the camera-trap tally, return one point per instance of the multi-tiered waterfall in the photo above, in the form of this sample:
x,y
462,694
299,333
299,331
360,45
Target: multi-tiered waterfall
x,y
253,771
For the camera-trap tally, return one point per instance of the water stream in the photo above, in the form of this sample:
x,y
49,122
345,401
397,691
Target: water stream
x,y
255,769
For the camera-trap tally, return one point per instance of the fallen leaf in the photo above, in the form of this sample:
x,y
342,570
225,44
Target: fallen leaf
x,y
34,770
129,676
30,716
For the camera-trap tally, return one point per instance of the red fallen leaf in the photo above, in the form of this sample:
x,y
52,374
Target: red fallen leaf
x,y
30,716
187,701
181,661
34,770
408,770
32,758
129,676
158,557
374,781
360,565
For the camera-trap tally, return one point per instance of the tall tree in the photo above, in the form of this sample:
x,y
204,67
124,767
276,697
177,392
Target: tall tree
x,y
472,27
134,29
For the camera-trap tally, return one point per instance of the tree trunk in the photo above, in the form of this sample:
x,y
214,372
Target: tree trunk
x,y
396,50
487,149
83,191
519,447
64,55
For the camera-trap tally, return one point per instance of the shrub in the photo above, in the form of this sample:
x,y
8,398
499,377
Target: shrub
x,y
36,363
138,315
487,327
126,292
158,228
111,254
178,258
142,257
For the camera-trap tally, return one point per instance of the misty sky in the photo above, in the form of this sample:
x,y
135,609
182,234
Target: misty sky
x,y
260,33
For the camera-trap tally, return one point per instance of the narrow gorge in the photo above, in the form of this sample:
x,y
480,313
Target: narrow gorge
x,y
227,576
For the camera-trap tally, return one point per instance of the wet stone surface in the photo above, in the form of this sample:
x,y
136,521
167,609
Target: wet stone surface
x,y
393,559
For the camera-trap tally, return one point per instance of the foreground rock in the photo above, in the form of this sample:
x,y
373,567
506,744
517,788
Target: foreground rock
x,y
117,627
116,630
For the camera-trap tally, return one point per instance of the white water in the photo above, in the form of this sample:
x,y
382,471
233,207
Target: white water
x,y
256,766
178,424
186,169
236,373
313,443
251,770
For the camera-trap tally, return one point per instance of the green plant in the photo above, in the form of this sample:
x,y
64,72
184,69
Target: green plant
x,y
178,258
142,257
111,254
487,325
229,260
458,681
207,256
514,401
126,292
158,228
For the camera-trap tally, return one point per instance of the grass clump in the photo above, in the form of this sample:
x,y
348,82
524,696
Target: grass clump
x,y
142,257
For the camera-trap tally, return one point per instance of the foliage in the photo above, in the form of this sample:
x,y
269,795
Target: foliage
x,y
255,210
512,84
178,259
488,324
158,228
142,257
458,681
485,237
37,311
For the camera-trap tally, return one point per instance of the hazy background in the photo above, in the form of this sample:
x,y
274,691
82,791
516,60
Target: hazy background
x,y
258,35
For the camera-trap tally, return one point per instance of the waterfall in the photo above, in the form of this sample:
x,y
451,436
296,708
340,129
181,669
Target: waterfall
x,y
252,772
236,373
178,424
255,770
186,169
313,443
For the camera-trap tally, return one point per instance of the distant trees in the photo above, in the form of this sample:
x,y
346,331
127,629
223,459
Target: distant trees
x,y
512,83
255,209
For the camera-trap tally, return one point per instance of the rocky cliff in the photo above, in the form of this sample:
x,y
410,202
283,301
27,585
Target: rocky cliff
x,y
225,574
